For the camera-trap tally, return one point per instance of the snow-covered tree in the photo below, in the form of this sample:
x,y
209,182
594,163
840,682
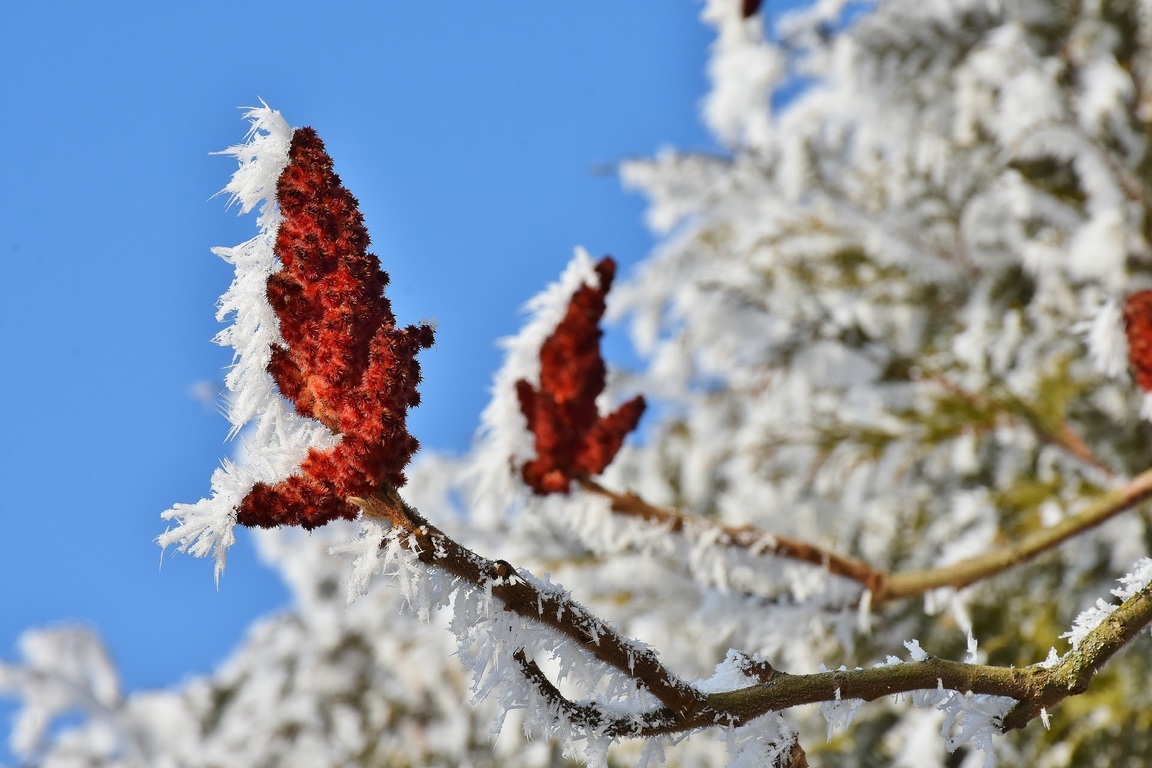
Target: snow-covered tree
x,y
866,503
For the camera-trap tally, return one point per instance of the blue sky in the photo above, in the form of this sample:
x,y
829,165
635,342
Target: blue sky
x,y
480,140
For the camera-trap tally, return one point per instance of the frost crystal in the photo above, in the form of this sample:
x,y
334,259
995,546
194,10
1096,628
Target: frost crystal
x,y
277,440
731,674
370,559
1106,341
918,653
1135,580
764,741
839,713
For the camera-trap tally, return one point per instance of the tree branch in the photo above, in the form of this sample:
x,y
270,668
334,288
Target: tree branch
x,y
974,569
684,708
1077,668
1034,687
553,609
741,537
886,585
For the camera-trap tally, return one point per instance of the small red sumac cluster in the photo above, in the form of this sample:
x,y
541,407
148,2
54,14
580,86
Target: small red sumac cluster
x,y
344,363
573,441
1138,328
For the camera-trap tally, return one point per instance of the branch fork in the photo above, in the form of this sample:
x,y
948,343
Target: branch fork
x,y
685,708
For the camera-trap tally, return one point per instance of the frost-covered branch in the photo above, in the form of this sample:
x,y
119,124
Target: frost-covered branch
x,y
685,708
1074,672
884,585
554,609
745,537
1035,688
974,569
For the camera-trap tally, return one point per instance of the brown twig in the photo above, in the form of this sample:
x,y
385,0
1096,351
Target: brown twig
x,y
886,585
966,572
683,708
1034,687
740,537
553,609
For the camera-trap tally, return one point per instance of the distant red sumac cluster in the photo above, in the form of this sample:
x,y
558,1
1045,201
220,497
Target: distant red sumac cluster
x,y
573,440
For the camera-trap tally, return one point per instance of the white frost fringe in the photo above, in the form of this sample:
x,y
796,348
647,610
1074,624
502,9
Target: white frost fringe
x,y
503,440
279,439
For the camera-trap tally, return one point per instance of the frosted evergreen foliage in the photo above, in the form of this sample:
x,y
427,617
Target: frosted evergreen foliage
x,y
744,72
882,319
63,670
865,319
852,315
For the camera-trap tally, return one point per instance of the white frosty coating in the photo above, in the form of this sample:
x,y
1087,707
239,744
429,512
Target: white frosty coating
x,y
503,442
278,439
1139,577
839,713
763,741
962,709
1107,340
488,636
918,653
369,559
973,649
970,719
744,71
1098,250
729,674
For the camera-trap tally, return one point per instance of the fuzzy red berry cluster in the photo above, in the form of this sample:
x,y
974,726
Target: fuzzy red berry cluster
x,y
1138,328
344,362
573,441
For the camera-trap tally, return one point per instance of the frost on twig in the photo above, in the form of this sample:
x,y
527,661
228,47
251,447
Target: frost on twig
x,y
1135,580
